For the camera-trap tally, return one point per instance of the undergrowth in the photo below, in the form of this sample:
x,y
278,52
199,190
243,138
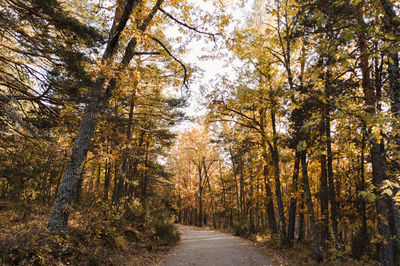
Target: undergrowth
x,y
97,234
300,253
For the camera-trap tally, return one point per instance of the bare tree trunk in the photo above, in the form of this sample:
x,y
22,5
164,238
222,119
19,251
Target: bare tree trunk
x,y
200,218
269,203
331,187
107,177
211,192
307,192
242,195
223,194
392,25
363,212
292,206
236,185
323,191
275,158
78,192
300,236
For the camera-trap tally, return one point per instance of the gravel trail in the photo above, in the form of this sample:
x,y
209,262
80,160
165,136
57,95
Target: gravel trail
x,y
205,247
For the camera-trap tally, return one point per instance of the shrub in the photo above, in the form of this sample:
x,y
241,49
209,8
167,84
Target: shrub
x,y
165,229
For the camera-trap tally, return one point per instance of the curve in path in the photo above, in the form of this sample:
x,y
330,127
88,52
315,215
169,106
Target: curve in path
x,y
206,247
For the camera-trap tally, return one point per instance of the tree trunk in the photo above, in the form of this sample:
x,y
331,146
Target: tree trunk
x,y
236,184
107,175
211,192
242,194
275,158
292,206
307,192
200,218
324,197
301,234
269,203
362,205
329,158
223,194
383,204
392,25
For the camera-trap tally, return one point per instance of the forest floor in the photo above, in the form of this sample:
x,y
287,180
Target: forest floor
x,y
92,238
201,246
206,246
301,253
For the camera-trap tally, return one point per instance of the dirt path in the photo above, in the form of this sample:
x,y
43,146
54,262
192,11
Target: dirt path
x,y
206,247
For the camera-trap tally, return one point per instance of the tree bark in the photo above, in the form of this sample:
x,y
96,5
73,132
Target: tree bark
x,y
392,25
300,236
293,202
211,192
309,203
269,203
275,158
107,175
362,205
236,184
377,158
223,194
323,191
200,218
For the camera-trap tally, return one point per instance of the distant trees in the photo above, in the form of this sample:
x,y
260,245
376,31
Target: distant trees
x,y
315,108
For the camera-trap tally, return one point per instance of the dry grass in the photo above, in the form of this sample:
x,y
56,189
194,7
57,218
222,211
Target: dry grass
x,y
91,239
301,253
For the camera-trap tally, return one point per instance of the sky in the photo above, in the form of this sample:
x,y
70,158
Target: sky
x,y
197,53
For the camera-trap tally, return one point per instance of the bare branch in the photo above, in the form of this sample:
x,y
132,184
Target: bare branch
x,y
176,59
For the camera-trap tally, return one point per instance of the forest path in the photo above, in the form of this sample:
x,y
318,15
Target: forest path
x,y
206,247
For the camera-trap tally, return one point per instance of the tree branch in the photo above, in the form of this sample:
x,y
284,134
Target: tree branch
x,y
190,27
176,59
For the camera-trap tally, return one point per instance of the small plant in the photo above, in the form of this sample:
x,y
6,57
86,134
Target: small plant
x,y
164,228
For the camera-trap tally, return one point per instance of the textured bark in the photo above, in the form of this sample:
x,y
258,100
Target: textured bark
x,y
293,202
78,193
98,100
309,203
